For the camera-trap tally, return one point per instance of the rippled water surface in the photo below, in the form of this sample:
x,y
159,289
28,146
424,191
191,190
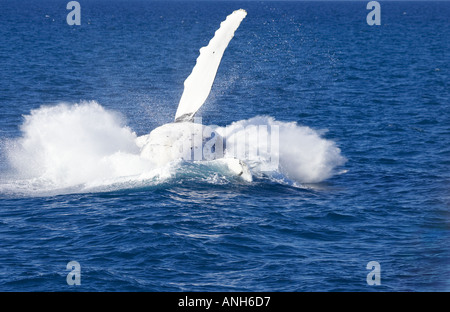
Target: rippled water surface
x,y
380,94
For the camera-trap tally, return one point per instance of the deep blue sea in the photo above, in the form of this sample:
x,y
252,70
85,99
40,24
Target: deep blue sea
x,y
378,95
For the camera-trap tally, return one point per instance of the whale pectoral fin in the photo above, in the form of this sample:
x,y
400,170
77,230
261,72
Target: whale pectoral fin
x,y
185,118
238,167
199,83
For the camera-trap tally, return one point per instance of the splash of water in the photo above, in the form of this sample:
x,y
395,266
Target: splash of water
x,y
304,156
85,147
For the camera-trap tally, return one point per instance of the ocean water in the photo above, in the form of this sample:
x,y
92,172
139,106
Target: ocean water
x,y
364,123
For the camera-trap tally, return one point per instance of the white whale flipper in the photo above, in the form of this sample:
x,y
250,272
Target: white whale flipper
x,y
186,140
237,166
199,83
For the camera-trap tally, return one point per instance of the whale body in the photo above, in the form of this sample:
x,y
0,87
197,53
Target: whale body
x,y
184,139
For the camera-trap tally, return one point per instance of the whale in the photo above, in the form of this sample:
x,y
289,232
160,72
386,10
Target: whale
x,y
185,139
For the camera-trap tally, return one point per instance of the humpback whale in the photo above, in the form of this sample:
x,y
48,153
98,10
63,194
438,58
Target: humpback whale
x,y
184,139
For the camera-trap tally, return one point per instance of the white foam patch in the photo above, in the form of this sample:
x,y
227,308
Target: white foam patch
x,y
303,155
85,147
68,145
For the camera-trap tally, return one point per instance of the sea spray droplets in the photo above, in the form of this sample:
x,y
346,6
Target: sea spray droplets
x,y
86,147
304,156
73,144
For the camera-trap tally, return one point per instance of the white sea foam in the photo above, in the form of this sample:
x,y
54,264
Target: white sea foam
x,y
68,145
85,147
303,155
